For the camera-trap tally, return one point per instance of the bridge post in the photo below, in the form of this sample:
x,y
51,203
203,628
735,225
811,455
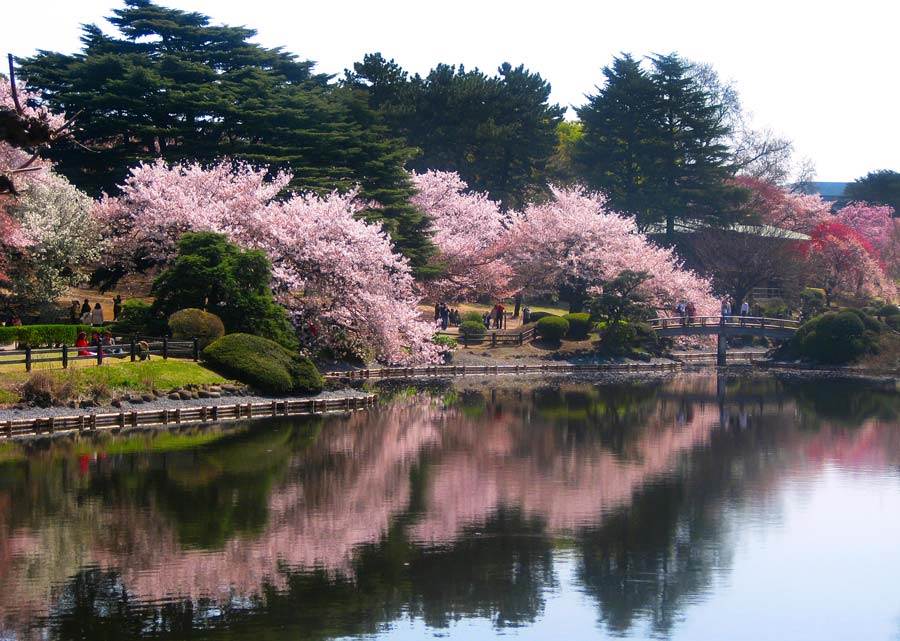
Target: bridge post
x,y
720,349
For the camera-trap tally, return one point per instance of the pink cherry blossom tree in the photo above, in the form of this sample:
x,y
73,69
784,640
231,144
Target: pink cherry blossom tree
x,y
875,223
467,228
335,273
574,239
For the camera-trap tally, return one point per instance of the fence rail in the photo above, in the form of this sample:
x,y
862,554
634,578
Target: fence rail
x,y
750,322
495,338
463,370
186,415
66,354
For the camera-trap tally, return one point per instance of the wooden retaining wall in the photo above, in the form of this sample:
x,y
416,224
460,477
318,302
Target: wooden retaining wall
x,y
183,415
464,370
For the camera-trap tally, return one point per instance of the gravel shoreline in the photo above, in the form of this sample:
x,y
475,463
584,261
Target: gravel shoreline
x,y
164,402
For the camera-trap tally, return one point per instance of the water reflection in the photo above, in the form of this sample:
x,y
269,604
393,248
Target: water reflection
x,y
466,509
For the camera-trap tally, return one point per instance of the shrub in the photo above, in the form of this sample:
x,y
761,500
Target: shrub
x,y
834,338
472,329
138,317
536,316
886,311
775,308
812,301
42,335
474,317
552,328
44,389
893,322
195,323
445,341
579,325
212,273
262,364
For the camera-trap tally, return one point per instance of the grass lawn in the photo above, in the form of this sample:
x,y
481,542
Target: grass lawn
x,y
119,376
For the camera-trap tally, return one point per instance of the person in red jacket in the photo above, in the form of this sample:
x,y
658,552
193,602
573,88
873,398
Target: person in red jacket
x,y
81,343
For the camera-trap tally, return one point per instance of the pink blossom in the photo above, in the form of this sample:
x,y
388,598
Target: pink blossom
x,y
575,235
330,269
467,230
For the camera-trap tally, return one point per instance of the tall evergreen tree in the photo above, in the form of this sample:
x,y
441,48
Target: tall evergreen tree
x,y
175,86
654,141
613,154
498,132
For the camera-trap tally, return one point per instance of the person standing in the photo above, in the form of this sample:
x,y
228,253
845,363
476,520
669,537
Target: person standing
x,y
117,307
445,316
75,312
86,307
745,308
97,316
691,311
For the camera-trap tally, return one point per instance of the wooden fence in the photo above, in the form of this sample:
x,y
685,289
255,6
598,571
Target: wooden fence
x,y
184,415
66,354
464,370
494,338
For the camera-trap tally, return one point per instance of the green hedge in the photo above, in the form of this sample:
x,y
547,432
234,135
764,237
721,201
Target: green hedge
x,y
190,323
262,364
579,325
836,337
536,316
552,328
474,317
42,335
472,329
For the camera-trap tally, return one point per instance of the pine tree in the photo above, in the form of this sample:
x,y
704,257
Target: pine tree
x,y
613,154
654,142
498,132
176,87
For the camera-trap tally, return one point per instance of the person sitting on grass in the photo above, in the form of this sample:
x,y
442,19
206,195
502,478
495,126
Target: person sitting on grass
x,y
108,342
81,343
144,350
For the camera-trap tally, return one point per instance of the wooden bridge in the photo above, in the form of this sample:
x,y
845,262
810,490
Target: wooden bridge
x,y
725,326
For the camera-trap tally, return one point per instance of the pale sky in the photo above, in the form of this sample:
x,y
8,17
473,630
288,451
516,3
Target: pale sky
x,y
823,73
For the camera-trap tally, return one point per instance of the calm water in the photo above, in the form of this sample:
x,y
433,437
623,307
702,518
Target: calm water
x,y
692,509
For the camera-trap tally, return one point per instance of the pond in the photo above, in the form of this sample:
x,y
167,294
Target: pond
x,y
692,508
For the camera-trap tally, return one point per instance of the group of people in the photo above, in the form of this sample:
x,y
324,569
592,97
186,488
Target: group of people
x,y
445,316
99,341
687,311
84,314
495,318
726,309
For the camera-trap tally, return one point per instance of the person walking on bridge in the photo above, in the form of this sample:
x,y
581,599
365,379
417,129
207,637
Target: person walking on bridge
x,y
745,308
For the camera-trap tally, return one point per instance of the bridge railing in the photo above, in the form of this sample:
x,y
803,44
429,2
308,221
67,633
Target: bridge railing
x,y
754,322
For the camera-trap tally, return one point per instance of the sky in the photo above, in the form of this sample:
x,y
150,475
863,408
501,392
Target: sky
x,y
824,74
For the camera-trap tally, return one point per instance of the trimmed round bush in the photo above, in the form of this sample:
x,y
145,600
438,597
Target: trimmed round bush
x,y
552,328
536,316
834,338
579,325
190,323
263,364
474,317
472,329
